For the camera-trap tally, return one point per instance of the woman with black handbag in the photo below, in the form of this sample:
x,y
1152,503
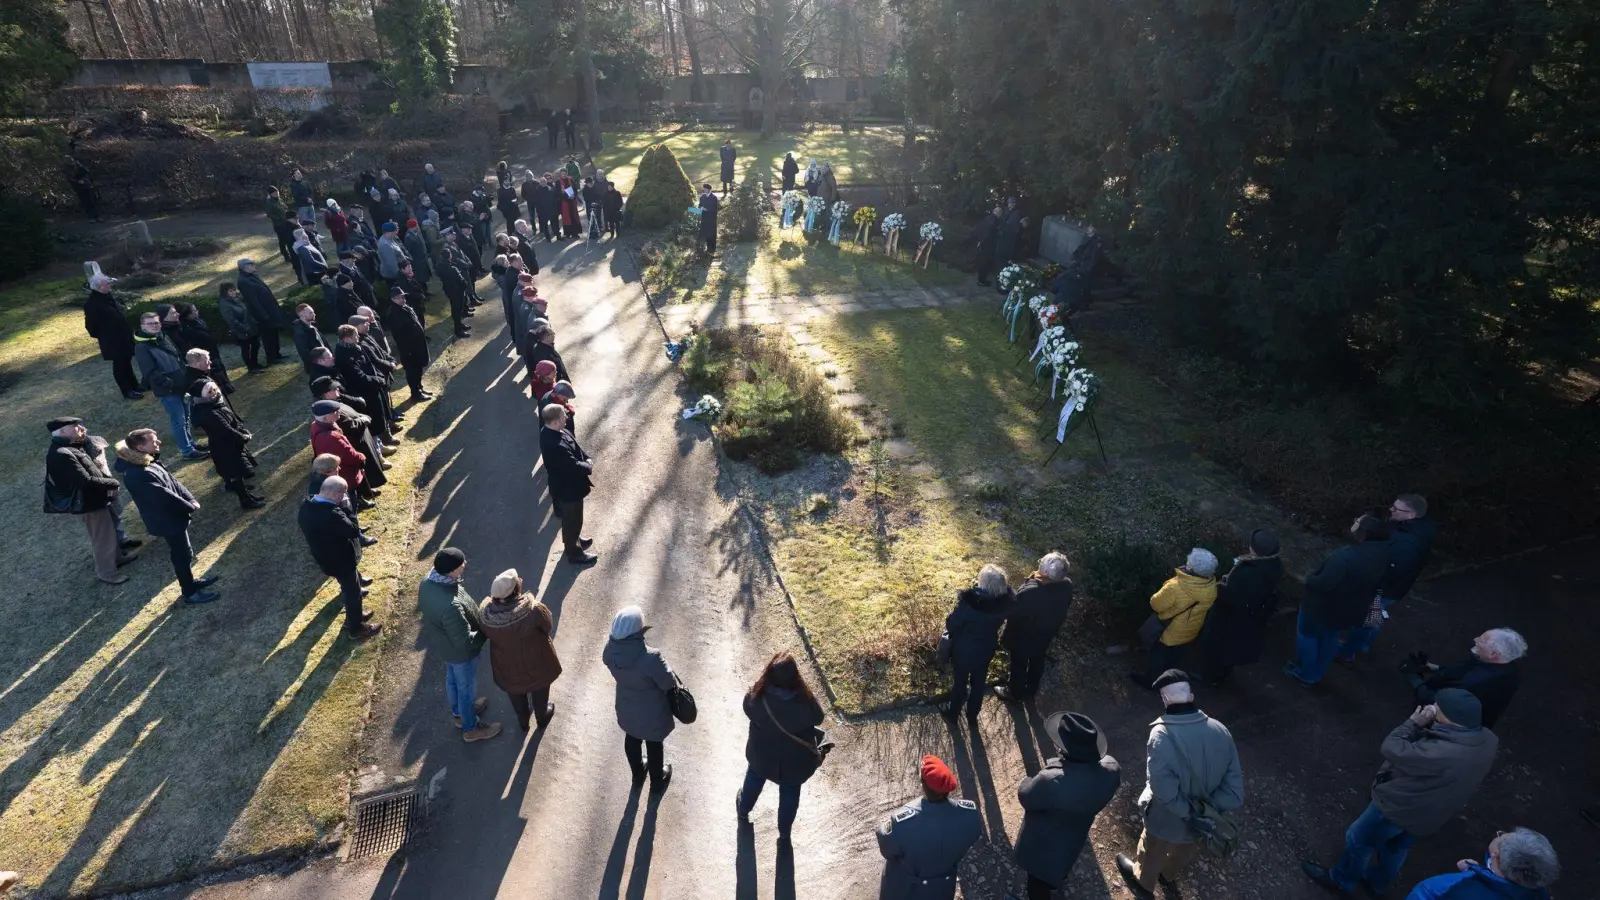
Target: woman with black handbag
x,y
645,684
785,745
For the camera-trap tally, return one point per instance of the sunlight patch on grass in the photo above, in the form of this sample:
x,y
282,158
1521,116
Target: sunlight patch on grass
x,y
697,151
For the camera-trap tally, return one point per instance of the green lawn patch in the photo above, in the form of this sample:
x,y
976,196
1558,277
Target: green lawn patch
x,y
851,155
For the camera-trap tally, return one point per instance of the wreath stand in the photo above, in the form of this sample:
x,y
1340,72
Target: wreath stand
x,y
1092,427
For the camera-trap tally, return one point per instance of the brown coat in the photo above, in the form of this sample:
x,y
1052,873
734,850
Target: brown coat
x,y
521,654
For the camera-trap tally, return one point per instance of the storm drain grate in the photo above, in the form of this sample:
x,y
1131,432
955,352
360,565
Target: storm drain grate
x,y
383,824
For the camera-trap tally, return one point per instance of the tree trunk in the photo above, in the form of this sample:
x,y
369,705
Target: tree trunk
x,y
158,28
116,29
697,87
590,95
94,30
672,38
288,29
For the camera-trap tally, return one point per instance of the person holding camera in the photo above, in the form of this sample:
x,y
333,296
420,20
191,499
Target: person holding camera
x,y
1492,673
1433,764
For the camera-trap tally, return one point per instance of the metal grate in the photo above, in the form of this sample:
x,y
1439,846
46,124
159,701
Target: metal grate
x,y
384,823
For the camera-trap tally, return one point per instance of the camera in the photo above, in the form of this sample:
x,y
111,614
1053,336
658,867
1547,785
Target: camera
x,y
1415,663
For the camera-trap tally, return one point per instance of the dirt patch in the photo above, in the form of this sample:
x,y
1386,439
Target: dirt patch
x,y
135,124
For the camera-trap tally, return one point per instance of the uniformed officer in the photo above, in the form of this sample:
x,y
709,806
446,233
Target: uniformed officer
x,y
923,842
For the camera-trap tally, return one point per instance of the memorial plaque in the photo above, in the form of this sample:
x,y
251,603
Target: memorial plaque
x,y
1059,237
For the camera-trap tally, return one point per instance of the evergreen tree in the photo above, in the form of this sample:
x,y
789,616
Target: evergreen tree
x,y
35,57
419,37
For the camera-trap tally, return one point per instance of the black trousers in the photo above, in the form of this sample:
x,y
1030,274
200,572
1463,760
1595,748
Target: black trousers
x,y
552,138
182,554
1163,658
968,687
122,371
350,593
571,524
269,341
985,266
531,706
1038,890
632,747
414,369
457,293
286,248
251,349
1027,668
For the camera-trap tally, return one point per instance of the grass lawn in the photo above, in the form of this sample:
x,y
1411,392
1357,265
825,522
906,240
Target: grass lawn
x,y
141,739
850,154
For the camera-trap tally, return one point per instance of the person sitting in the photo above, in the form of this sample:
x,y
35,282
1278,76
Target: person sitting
x,y
1492,673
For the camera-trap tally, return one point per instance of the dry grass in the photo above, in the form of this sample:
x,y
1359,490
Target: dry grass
x,y
142,739
697,151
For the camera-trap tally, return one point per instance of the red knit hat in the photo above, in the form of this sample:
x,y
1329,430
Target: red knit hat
x,y
525,277
936,776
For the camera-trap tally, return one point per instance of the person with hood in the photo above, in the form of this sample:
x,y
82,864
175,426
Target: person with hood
x,y
416,248
236,315
728,154
982,238
973,632
1177,613
1519,865
196,333
644,683
452,628
410,343
790,170
105,318
524,661
305,207
1411,536
338,225
227,435
709,204
785,743
1041,607
432,181
1235,629
1339,596
1433,764
334,535
307,339
73,468
1060,802
161,371
263,307
165,505
813,182
312,263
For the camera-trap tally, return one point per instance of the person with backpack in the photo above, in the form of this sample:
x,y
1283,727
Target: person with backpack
x,y
1192,780
786,743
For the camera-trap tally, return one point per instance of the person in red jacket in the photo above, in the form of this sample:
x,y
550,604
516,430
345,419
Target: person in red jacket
x,y
326,437
338,226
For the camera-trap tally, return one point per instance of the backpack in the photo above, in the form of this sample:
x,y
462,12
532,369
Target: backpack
x,y
1215,832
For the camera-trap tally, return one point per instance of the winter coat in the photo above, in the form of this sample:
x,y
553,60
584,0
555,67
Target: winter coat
x,y
160,365
357,372
227,434
1494,684
196,333
332,533
306,339
773,755
410,341
312,264
505,199
728,154
338,226
432,182
1428,774
360,286
790,170
1058,808
1215,771
1235,628
709,204
522,656
236,315
106,320
566,465
416,245
164,503
1476,883
261,301
523,315
1182,603
643,681
451,626
1037,615
974,627
276,213
327,438
300,190
983,236
1341,590
71,467
390,252
1410,545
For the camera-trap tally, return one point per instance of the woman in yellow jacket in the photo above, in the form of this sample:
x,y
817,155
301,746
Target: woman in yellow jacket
x,y
1179,610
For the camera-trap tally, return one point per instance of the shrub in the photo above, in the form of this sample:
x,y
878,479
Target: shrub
x,y
747,214
661,192
26,242
1119,576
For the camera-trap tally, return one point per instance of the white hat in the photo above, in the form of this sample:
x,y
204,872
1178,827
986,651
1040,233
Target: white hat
x,y
99,281
504,584
628,622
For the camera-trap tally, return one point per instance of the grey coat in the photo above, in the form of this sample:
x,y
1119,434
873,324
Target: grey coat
x,y
237,317
643,680
922,846
1428,774
1058,808
1169,783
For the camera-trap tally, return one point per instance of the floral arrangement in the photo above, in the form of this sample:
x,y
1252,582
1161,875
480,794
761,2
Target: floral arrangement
x,y
675,350
1009,276
792,202
836,221
705,410
864,218
840,209
892,225
814,208
1083,388
893,222
932,232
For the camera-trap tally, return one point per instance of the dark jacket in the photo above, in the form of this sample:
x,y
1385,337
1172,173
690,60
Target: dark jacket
x,y
451,626
227,435
534,350
1429,774
236,315
432,182
643,680
301,192
164,503
1339,592
417,246
306,339
1410,545
410,341
332,534
313,265
160,366
1236,626
985,233
772,754
1037,615
263,304
522,656
728,154
1058,808
1494,684
974,627
357,371
196,333
612,204
106,320
709,204
790,170
565,464
70,468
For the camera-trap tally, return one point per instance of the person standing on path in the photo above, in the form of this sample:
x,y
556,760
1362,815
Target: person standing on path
x,y
71,470
334,535
161,370
569,471
923,842
1432,765
1189,755
1041,607
1059,804
538,342
305,206
728,154
1339,596
783,746
264,308
1411,536
709,204
453,629
522,657
644,683
106,319
165,505
410,342
974,631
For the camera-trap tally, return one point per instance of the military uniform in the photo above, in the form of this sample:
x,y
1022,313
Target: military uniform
x,y
922,845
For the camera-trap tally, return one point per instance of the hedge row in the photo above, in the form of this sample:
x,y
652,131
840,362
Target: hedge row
x,y
183,101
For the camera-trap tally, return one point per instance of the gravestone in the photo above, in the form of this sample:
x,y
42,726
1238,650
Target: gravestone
x,y
1059,237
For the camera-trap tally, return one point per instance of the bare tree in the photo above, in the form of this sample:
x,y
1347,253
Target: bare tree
x,y
586,78
773,38
697,85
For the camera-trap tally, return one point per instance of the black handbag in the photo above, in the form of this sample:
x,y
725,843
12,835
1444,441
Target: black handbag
x,y
819,745
682,704
61,502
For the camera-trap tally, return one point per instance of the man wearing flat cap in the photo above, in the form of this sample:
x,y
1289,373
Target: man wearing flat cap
x,y
1059,804
923,842
1189,755
77,482
1432,765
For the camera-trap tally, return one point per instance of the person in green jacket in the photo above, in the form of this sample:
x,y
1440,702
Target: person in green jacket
x,y
453,629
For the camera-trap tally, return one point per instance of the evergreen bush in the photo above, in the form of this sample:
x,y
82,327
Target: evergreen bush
x,y
26,241
747,213
662,191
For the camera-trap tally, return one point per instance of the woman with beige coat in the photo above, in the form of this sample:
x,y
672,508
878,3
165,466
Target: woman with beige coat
x,y
521,656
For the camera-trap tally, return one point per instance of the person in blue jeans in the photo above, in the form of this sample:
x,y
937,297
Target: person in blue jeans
x,y
453,629
1338,595
161,371
784,742
1433,764
1520,865
1411,537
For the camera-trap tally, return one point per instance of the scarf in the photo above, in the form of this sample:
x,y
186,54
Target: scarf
x,y
436,578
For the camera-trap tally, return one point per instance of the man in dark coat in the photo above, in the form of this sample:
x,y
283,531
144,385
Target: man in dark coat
x,y
306,336
709,204
728,154
453,274
410,343
165,505
106,320
611,205
278,216
1411,536
228,437
983,238
1339,595
1060,803
1009,233
161,370
538,343
790,170
1040,610
549,209
923,842
70,470
1492,673
359,372
417,246
1235,628
358,281
552,124
569,470
335,541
